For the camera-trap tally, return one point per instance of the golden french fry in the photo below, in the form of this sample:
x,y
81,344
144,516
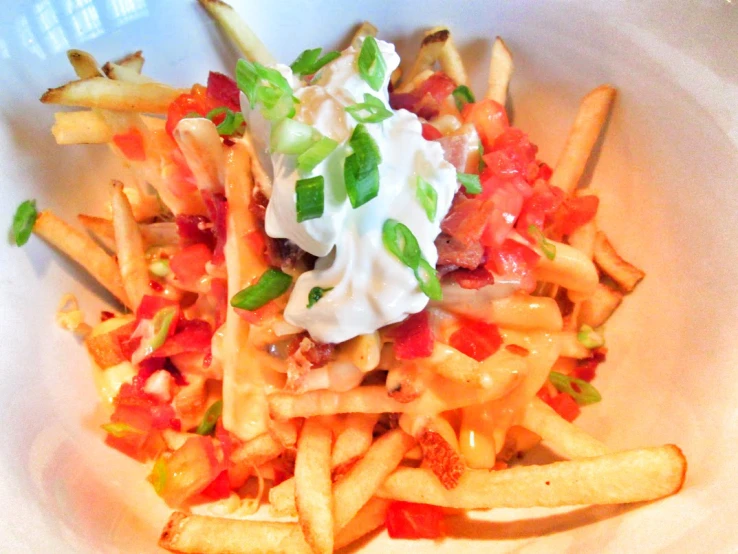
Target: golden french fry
x,y
83,250
258,450
450,58
501,68
363,351
153,234
366,29
570,269
355,438
430,50
236,28
101,92
87,127
371,516
194,534
566,438
607,258
359,485
630,476
129,247
119,72
412,84
84,64
582,137
199,141
499,372
313,495
570,345
597,309
133,61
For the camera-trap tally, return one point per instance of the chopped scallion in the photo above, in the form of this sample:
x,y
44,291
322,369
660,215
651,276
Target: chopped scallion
x,y
401,242
272,284
463,96
159,267
23,222
581,391
428,280
310,61
428,197
120,430
310,198
291,137
315,294
316,153
589,337
372,67
207,425
158,475
470,182
547,247
161,322
371,110
266,86
361,168
230,124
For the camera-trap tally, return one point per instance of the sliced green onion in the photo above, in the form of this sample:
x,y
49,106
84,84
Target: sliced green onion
x,y
230,124
161,322
428,197
160,268
590,337
158,476
276,106
371,110
315,294
372,67
318,151
120,430
207,425
309,62
470,182
463,96
401,242
361,169
428,280
291,137
547,247
481,165
581,391
266,86
272,284
310,198
23,222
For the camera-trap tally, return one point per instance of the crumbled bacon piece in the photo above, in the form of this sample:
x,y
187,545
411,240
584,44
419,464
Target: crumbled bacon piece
x,y
467,218
195,229
223,89
441,457
453,252
473,278
217,206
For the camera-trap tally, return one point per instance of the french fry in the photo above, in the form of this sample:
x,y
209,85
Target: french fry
x,y
412,84
153,234
566,438
133,61
430,50
608,260
119,72
129,247
355,438
501,68
570,269
199,141
237,29
371,516
450,59
195,534
630,476
83,250
363,351
259,450
84,64
501,371
366,29
87,127
100,92
359,485
582,137
570,345
598,308
313,497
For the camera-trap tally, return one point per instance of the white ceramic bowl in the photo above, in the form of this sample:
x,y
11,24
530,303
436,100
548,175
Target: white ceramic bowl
x,y
667,175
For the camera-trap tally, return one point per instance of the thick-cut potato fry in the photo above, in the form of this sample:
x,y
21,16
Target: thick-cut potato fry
x,y
363,351
236,28
194,534
430,50
597,309
570,345
122,73
500,371
133,61
415,82
450,59
84,64
83,250
501,68
566,438
101,92
355,438
366,29
371,516
570,269
608,260
313,495
129,247
582,137
359,485
629,476
258,450
153,234
87,127
199,141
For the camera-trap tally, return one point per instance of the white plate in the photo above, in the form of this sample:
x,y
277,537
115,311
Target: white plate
x,y
667,173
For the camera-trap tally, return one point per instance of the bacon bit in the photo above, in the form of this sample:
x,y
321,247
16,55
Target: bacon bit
x,y
441,457
430,132
425,101
217,206
544,171
467,218
192,230
586,369
517,350
105,315
304,357
340,471
413,337
224,90
453,252
320,354
473,278
258,205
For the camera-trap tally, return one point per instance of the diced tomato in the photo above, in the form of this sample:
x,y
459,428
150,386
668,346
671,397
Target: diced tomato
x,y
189,470
131,144
219,488
461,151
425,101
565,406
188,264
430,132
224,90
473,278
506,202
217,206
489,119
413,337
574,212
192,335
586,369
196,101
409,520
256,317
476,339
544,172
150,305
539,208
512,153
512,259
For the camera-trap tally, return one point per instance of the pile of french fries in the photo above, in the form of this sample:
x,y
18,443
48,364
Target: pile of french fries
x,y
346,472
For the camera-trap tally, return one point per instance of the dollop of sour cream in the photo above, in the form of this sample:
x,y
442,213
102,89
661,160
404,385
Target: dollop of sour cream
x,y
370,287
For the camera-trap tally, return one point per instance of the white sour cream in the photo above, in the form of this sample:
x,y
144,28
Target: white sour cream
x,y
371,288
